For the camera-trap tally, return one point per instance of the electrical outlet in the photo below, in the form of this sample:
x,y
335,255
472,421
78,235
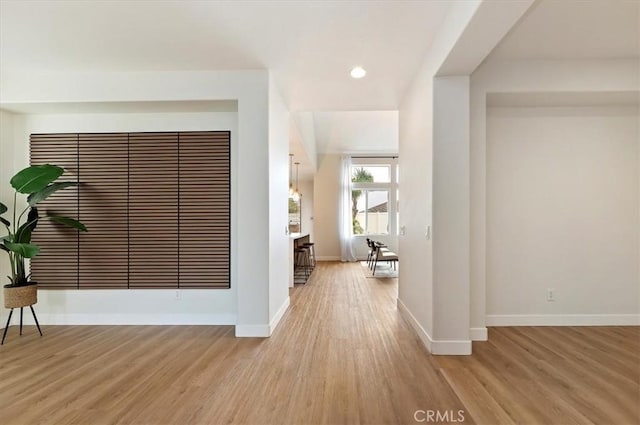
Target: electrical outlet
x,y
551,294
178,295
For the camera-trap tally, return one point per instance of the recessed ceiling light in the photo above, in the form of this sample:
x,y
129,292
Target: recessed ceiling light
x,y
358,72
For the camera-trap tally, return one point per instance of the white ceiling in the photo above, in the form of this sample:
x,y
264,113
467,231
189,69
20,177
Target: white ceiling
x,y
575,29
309,45
356,132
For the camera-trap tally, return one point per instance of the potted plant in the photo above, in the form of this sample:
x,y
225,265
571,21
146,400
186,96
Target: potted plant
x,y
38,182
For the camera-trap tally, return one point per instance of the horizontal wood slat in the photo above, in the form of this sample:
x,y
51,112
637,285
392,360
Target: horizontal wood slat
x,y
103,209
157,206
57,264
204,210
153,210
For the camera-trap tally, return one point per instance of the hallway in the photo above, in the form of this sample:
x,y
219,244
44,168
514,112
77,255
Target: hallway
x,y
341,355
366,363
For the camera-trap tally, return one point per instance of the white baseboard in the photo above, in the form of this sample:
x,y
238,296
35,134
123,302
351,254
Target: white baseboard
x,y
563,320
253,331
436,347
413,322
121,319
281,311
479,334
452,348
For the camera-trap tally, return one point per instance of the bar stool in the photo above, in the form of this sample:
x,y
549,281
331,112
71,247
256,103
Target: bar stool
x,y
312,253
302,262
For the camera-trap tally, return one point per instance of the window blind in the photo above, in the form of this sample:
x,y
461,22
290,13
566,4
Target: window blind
x,y
157,206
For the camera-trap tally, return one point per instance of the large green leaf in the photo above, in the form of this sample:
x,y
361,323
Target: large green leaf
x,y
25,250
23,234
35,178
32,218
3,209
68,222
4,239
43,194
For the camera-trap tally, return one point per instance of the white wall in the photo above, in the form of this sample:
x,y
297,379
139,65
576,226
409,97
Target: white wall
x,y
7,170
415,283
591,79
278,250
470,30
416,286
562,212
250,193
326,201
307,203
451,212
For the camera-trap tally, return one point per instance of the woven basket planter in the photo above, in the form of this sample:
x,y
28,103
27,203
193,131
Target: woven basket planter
x,y
20,296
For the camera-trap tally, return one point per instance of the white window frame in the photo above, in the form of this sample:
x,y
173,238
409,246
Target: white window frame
x,y
391,187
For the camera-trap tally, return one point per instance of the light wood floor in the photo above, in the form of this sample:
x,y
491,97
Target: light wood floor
x,y
341,355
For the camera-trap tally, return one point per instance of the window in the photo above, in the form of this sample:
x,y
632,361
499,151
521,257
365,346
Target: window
x,y
374,196
371,173
295,215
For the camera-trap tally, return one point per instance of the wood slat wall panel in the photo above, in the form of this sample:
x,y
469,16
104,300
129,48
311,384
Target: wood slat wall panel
x,y
153,210
57,264
103,209
205,209
157,206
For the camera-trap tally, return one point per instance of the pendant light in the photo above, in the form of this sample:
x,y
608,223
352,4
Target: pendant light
x,y
296,193
290,175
